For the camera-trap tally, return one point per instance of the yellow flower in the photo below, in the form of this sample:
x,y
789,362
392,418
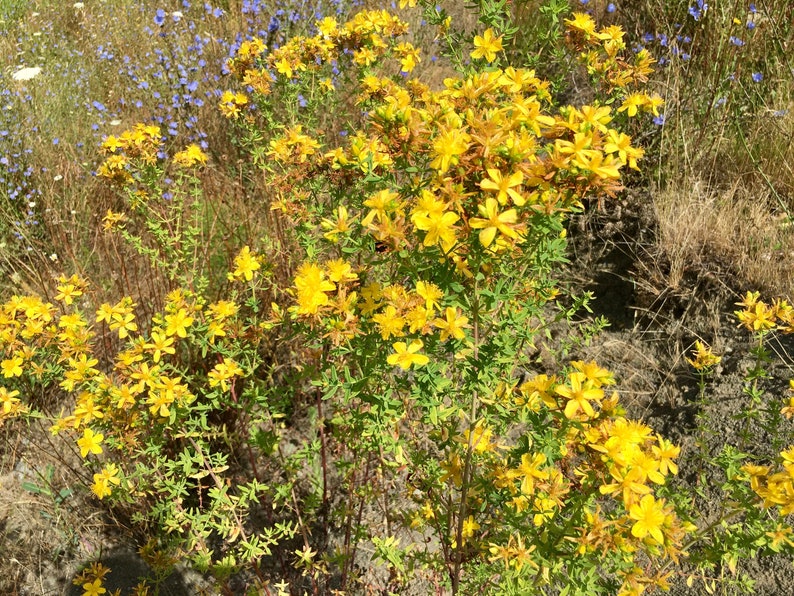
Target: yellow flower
x,y
440,228
86,409
103,481
93,588
592,372
381,204
601,166
469,527
632,104
757,317
431,294
504,187
161,343
222,372
327,26
177,323
666,452
112,144
486,46
67,292
492,222
621,144
231,103
389,323
478,438
124,323
9,402
372,295
453,469
336,227
529,471
406,355
583,23
190,156
641,101
311,286
452,324
631,483
223,309
12,367
449,145
409,56
703,357
284,67
340,271
649,515
90,442
245,264
160,401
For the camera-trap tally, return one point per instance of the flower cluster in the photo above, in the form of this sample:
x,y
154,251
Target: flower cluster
x,y
603,52
703,358
138,149
595,493
492,159
775,486
759,316
144,385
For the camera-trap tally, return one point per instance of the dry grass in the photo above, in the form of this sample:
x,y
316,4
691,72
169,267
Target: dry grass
x,y
738,231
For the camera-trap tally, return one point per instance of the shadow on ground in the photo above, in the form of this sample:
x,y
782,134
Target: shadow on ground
x,y
127,570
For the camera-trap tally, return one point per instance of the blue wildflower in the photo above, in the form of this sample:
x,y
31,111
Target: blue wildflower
x,y
699,9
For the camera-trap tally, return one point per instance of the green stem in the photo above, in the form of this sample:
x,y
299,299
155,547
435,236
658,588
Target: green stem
x,y
464,489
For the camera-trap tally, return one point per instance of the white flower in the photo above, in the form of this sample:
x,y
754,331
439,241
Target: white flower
x,y
57,178
26,73
54,257
115,122
177,15
78,6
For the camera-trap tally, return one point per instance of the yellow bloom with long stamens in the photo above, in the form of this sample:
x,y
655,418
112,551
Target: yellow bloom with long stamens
x,y
90,442
452,325
311,286
493,222
246,263
504,186
486,46
408,355
649,516
580,392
